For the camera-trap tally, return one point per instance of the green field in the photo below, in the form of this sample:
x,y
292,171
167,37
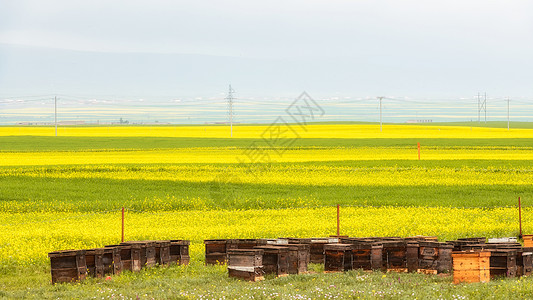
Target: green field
x,y
66,192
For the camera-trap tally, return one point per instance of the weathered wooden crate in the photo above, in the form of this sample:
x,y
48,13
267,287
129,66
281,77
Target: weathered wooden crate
x,y
503,262
94,258
246,264
367,254
146,252
278,241
434,257
275,259
528,240
179,252
316,248
471,266
130,257
395,255
298,258
524,261
162,253
111,260
422,238
292,240
245,243
68,265
338,257
215,251
464,244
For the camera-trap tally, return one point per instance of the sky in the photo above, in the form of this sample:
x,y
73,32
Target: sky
x,y
334,48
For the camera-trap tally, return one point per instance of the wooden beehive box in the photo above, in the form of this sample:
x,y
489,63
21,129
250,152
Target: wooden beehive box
x,y
215,251
146,252
367,253
298,258
471,266
503,262
162,252
94,258
395,255
435,257
68,266
338,257
528,240
275,259
316,248
111,260
179,252
130,257
246,264
245,243
464,243
524,261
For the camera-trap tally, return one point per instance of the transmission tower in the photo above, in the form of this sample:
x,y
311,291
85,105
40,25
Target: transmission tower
x,y
230,99
481,106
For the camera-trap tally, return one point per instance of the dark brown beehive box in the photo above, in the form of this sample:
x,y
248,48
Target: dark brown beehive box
x,y
179,252
94,258
338,257
298,258
162,252
215,251
68,266
275,259
503,262
129,257
145,251
246,264
367,253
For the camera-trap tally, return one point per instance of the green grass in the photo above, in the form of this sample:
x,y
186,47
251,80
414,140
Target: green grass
x,y
200,282
42,143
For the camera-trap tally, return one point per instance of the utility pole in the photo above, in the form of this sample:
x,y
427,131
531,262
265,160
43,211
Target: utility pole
x,y
380,118
55,112
508,109
230,108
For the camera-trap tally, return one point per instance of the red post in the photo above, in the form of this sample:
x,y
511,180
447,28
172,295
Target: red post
x,y
520,216
338,220
123,224
418,151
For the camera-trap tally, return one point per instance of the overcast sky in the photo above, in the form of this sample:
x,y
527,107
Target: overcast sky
x,y
408,47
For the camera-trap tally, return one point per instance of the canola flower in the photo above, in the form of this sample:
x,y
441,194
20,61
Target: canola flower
x,y
233,155
258,131
26,238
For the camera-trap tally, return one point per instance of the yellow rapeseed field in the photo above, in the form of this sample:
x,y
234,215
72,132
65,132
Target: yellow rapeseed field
x,y
291,130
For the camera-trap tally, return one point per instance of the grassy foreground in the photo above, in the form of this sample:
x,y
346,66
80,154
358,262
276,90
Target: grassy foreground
x,y
194,183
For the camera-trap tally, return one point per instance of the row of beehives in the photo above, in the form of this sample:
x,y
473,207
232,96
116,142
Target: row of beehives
x,y
74,265
470,259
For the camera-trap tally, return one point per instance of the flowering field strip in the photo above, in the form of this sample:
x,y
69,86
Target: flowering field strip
x,y
26,238
258,131
232,155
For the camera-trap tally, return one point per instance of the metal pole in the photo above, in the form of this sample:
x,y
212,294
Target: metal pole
x,y
55,112
338,220
123,224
